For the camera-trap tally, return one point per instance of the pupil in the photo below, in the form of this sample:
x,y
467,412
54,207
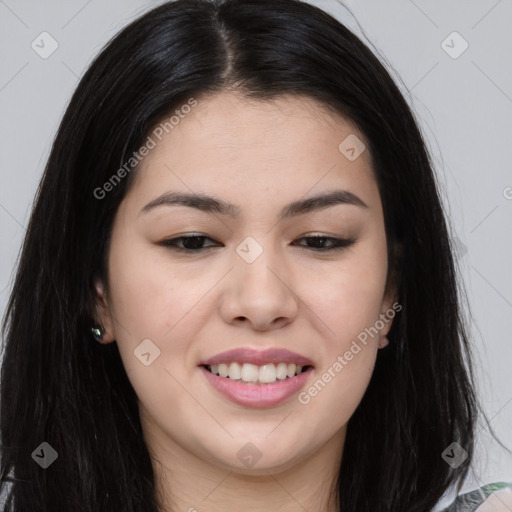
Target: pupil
x,y
195,241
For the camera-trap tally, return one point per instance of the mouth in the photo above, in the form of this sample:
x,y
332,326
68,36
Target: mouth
x,y
251,374
252,377
253,386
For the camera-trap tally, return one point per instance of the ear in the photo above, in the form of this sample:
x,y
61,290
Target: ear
x,y
390,303
103,315
390,306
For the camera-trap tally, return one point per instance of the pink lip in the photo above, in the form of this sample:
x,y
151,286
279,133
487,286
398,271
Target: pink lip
x,y
258,357
254,395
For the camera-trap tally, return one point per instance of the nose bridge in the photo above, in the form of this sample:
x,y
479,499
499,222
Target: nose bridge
x,y
257,264
258,289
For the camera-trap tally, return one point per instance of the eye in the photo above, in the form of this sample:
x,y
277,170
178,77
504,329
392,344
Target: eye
x,y
334,243
191,243
194,243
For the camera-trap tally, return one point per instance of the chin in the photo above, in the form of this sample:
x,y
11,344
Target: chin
x,y
260,465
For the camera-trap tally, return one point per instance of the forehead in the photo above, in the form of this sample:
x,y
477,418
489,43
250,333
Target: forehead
x,y
244,148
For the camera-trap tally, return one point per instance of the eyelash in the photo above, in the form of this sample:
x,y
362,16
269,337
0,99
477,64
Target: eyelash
x,y
338,243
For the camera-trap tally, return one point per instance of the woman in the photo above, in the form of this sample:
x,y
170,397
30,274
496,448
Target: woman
x,y
326,288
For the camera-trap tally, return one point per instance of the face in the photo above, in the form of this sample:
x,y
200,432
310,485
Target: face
x,y
310,279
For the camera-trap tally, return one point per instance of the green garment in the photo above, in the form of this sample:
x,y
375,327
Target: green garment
x,y
469,502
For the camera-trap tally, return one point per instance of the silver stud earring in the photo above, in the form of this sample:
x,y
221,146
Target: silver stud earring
x,y
98,331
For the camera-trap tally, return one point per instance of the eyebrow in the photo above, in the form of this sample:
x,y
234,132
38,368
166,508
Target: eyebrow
x,y
211,204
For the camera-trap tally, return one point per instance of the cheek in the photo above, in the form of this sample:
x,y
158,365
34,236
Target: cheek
x,y
151,298
347,364
167,306
338,388
348,298
153,316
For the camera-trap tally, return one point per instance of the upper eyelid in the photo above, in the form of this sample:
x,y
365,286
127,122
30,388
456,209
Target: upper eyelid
x,y
314,234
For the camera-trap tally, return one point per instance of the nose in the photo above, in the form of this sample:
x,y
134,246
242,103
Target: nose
x,y
259,295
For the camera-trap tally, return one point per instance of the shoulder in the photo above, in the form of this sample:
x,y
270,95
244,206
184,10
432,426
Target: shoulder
x,y
495,497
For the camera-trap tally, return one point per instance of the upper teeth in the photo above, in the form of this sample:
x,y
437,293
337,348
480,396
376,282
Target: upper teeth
x,y
251,373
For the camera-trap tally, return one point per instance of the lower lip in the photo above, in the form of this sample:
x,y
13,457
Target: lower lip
x,y
250,395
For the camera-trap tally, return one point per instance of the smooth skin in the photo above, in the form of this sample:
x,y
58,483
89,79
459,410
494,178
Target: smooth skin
x,y
260,156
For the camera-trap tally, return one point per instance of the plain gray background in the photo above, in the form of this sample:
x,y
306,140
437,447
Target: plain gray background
x,y
463,102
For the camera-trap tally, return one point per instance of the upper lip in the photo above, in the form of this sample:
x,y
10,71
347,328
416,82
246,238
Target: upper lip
x,y
257,357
